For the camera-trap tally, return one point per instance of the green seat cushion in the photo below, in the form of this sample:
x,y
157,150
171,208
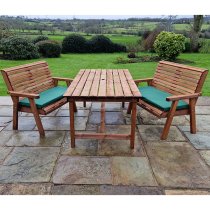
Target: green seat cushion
x,y
158,97
46,97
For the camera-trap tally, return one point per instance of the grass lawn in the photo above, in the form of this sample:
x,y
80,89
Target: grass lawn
x,y
69,64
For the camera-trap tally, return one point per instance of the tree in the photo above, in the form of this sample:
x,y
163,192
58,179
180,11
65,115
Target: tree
x,y
195,32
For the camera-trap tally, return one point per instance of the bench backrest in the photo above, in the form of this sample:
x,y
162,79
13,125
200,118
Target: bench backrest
x,y
179,79
31,78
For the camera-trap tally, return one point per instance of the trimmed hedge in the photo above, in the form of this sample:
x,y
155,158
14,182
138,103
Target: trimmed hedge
x,y
49,48
97,44
18,48
40,38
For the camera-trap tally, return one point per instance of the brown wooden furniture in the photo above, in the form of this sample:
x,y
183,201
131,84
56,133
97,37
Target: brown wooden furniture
x,y
183,83
103,86
28,81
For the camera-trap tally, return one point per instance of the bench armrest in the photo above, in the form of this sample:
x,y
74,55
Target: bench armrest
x,y
21,94
67,80
148,80
180,97
63,79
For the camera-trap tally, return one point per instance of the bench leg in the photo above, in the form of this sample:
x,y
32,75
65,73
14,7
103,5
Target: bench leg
x,y
169,120
129,108
133,125
37,117
123,104
15,114
84,103
72,129
192,116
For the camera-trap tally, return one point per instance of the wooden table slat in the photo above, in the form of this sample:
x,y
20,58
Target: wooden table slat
x,y
102,86
95,85
124,83
110,84
132,84
74,83
88,84
81,83
117,84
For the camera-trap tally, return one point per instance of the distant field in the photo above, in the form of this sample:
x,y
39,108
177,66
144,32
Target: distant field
x,y
68,65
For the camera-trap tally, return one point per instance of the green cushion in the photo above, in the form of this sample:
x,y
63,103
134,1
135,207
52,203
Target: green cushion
x,y
158,97
46,97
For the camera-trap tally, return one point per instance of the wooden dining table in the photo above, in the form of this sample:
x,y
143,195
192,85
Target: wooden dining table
x,y
103,85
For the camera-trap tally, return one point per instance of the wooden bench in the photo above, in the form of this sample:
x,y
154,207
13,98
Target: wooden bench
x,y
34,90
173,91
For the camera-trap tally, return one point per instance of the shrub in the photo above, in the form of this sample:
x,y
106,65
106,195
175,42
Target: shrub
x,y
40,38
169,45
131,55
102,44
149,39
74,44
49,48
205,46
18,48
187,46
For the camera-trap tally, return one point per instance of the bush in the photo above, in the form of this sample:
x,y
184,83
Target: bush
x,y
102,44
205,46
40,38
131,55
74,44
187,46
18,48
49,48
169,45
149,38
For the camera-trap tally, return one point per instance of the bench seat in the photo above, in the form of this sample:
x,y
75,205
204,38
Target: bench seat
x,y
47,97
158,97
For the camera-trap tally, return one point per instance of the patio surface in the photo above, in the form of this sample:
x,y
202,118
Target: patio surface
x,y
28,165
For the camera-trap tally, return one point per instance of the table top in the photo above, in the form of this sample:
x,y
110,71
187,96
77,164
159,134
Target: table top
x,y
103,84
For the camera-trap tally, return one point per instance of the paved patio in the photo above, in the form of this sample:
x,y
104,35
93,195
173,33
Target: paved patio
x,y
28,165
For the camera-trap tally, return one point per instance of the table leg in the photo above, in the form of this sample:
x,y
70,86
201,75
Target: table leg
x,y
102,126
133,125
72,130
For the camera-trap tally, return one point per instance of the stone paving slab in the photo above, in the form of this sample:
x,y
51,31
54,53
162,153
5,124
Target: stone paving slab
x,y
84,147
4,152
202,110
82,170
129,190
75,190
149,119
27,164
25,189
4,121
199,128
79,113
5,136
176,164
5,100
6,111
206,156
200,140
116,106
203,101
32,138
24,124
120,147
153,133
132,171
201,120
63,123
111,118
187,192
79,105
